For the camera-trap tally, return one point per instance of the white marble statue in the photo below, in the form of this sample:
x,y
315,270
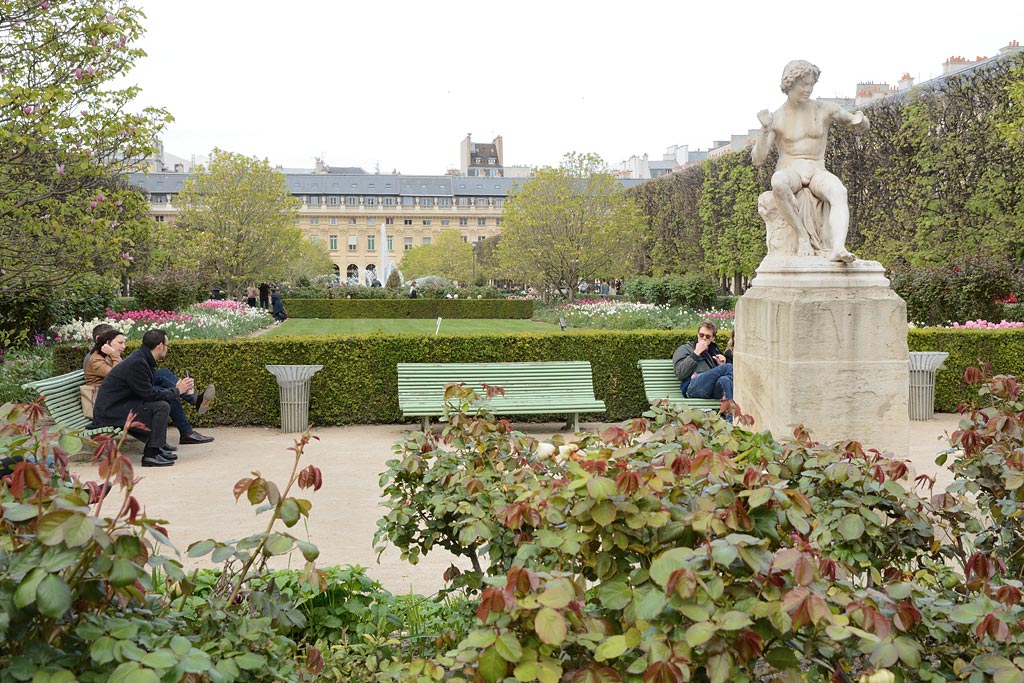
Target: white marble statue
x,y
806,213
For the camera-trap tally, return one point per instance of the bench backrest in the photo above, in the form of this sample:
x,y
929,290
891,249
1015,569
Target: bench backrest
x,y
63,401
562,383
660,379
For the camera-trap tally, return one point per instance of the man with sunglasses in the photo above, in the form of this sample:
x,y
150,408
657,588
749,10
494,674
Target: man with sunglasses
x,y
703,370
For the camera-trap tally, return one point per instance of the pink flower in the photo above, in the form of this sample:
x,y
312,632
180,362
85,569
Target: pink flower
x,y
78,72
127,257
60,169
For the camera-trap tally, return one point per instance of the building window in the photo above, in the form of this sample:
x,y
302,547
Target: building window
x,y
492,161
481,201
426,221
463,222
389,221
334,220
446,221
498,201
159,219
482,222
314,239
371,220
462,201
334,200
480,238
444,201
388,201
371,243
351,201
313,201
369,201
351,221
426,201
391,242
499,221
298,219
426,240
158,199
406,221
314,220
408,243
465,238
353,242
408,201
333,242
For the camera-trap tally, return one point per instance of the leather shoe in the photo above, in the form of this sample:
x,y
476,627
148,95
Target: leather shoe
x,y
168,454
169,447
155,460
203,399
193,438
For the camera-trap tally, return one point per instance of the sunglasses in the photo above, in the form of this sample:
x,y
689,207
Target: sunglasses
x,y
705,336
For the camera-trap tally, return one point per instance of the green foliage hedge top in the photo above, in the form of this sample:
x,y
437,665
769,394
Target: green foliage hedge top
x,y
409,308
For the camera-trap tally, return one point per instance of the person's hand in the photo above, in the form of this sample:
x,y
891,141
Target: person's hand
x,y
765,117
185,385
702,346
860,122
107,350
719,358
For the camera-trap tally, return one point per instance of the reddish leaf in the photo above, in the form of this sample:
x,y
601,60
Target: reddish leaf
x,y
615,436
907,615
748,645
493,391
664,672
522,581
311,477
493,600
627,482
314,660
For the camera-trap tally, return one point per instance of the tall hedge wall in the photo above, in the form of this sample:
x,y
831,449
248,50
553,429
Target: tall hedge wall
x,y
409,308
359,381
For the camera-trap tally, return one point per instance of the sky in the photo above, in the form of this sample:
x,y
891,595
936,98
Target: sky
x,y
397,85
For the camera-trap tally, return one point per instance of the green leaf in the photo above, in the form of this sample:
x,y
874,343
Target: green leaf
x,y
885,655
26,592
693,611
200,548
611,648
480,638
799,520
668,562
309,551
102,651
909,651
70,443
78,530
603,513
277,544
557,593
160,659
491,666
649,602
733,621
53,597
250,661
123,572
851,527
967,613
19,512
50,530
550,626
601,488
1007,674
180,645
290,512
782,657
720,668
700,633
508,647
759,497
614,594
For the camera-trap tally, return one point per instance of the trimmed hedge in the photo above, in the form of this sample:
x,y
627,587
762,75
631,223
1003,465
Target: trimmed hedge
x,y
359,381
409,308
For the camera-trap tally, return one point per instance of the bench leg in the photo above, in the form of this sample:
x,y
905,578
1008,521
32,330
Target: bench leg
x,y
574,420
425,423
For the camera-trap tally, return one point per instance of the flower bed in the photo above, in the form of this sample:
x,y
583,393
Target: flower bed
x,y
606,314
205,320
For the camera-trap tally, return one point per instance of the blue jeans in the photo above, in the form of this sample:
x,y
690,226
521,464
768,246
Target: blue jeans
x,y
714,383
165,378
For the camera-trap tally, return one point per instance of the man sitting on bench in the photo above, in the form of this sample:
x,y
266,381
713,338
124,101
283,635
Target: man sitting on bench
x,y
703,370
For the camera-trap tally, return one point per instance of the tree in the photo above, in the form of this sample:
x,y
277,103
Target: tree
x,y
66,134
312,261
236,221
570,224
733,236
447,256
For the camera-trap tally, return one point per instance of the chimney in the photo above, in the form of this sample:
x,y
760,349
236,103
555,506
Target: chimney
x,y
1013,46
906,81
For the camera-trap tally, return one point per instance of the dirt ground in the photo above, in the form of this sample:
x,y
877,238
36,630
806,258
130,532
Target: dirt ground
x,y
195,496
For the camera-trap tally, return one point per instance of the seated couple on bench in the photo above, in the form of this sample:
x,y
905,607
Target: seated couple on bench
x,y
703,370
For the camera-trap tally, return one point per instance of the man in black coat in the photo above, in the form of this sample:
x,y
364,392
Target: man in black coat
x,y
131,387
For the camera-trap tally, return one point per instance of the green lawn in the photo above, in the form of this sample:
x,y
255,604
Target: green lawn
x,y
313,327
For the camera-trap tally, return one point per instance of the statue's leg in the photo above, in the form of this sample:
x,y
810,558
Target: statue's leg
x,y
829,188
784,187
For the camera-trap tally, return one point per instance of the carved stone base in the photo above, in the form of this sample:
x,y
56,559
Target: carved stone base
x,y
824,344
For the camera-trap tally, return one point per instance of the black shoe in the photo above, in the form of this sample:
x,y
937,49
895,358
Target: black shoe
x,y
155,460
203,400
168,455
194,438
169,447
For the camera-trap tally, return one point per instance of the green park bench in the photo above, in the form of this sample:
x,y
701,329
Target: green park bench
x,y
660,382
62,399
553,387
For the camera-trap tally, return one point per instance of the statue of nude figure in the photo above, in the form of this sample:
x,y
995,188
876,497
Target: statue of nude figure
x,y
799,129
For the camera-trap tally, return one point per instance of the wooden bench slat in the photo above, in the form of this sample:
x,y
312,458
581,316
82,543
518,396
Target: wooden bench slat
x,y
63,401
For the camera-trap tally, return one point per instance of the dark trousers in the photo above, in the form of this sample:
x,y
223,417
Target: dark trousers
x,y
154,415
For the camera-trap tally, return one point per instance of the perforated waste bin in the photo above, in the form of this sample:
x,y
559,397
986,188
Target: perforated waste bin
x,y
293,382
923,365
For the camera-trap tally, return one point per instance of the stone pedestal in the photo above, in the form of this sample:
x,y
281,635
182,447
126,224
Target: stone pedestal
x,y
824,344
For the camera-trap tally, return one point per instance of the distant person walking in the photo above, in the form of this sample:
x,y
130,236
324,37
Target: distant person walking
x,y
277,306
251,294
412,290
264,295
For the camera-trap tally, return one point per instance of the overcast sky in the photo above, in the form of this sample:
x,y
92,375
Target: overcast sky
x,y
398,84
